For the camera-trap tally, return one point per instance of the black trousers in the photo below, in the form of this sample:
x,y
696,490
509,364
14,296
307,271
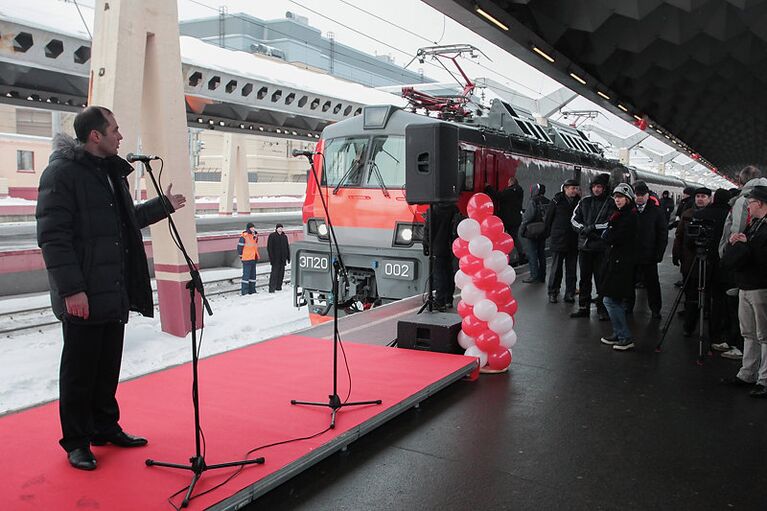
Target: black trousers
x,y
444,280
647,274
90,370
570,260
276,277
591,266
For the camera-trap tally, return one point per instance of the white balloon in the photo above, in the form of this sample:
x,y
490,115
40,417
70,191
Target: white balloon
x,y
495,260
472,295
461,279
485,310
501,323
468,229
473,351
465,341
481,247
508,275
509,339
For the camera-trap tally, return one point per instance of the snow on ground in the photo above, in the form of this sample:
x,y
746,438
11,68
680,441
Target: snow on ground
x,y
29,361
283,198
16,201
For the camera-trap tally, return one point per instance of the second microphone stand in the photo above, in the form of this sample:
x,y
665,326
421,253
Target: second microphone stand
x,y
334,402
197,464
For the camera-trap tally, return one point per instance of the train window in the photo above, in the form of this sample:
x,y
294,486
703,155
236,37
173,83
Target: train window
x,y
344,161
523,126
541,134
466,168
388,158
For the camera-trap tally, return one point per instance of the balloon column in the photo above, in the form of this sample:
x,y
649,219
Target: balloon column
x,y
487,306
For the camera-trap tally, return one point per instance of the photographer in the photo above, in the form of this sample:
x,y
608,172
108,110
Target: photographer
x,y
746,254
684,254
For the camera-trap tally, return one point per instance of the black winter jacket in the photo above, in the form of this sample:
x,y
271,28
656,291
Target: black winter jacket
x,y
278,248
590,221
558,227
536,211
748,259
89,241
508,206
620,261
652,234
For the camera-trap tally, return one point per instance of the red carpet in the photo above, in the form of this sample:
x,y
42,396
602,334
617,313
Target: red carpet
x,y
245,402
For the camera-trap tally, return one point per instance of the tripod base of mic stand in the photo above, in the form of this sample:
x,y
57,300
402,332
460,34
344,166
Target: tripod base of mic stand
x,y
198,466
428,303
335,404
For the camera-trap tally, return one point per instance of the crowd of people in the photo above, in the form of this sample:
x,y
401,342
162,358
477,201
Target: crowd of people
x,y
615,238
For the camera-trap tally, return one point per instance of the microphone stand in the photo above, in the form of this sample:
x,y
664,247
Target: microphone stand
x,y
334,402
197,462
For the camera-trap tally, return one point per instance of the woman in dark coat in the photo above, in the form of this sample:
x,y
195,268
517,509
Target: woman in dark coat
x,y
618,284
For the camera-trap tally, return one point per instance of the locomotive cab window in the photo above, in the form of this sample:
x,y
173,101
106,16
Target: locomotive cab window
x,y
466,168
345,161
387,162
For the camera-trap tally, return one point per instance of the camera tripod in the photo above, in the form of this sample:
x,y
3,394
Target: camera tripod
x,y
700,265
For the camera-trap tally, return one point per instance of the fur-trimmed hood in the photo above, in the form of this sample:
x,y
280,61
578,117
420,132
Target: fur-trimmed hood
x,y
64,147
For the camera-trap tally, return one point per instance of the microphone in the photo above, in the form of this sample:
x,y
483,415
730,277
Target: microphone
x,y
134,157
298,152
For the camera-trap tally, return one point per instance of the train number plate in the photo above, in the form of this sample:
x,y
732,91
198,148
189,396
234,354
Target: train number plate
x,y
403,270
313,262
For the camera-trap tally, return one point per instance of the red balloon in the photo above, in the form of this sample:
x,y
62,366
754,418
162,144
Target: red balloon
x,y
509,307
487,341
504,243
472,326
464,309
485,279
470,264
491,226
500,294
460,248
499,359
479,207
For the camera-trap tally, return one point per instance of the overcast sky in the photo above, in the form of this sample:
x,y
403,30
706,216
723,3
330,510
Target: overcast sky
x,y
392,27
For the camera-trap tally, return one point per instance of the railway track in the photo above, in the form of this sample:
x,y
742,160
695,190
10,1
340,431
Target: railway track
x,y
40,317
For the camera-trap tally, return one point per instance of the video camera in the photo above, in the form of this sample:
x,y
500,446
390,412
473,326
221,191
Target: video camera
x,y
700,232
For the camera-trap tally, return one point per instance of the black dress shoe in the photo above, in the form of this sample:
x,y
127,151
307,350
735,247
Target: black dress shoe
x,y
569,298
553,299
580,313
529,280
120,439
82,458
760,391
737,382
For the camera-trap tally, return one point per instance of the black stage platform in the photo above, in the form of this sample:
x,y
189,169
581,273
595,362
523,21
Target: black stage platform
x,y
574,425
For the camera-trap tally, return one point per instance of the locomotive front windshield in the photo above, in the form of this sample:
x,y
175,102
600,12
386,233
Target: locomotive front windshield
x,y
365,162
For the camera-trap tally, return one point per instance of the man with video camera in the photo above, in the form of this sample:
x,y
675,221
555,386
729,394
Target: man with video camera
x,y
746,254
693,241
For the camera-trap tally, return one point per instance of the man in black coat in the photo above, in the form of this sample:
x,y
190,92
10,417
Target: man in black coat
x,y
652,239
278,248
563,240
667,205
89,231
508,206
440,230
589,220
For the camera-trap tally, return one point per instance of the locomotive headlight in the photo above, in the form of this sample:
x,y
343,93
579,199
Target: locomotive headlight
x,y
406,234
318,227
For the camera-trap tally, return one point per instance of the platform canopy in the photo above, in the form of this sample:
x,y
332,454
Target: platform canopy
x,y
694,70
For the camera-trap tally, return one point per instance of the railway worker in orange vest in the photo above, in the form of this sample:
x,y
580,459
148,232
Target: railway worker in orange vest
x,y
247,248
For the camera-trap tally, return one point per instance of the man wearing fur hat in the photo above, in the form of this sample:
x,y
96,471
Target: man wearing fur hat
x,y
89,231
278,248
563,241
590,221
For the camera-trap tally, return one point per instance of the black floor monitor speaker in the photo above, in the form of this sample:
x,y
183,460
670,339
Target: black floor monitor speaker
x,y
431,163
430,332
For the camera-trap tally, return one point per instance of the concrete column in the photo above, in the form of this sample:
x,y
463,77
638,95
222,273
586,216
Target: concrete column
x,y
624,155
136,72
234,176
241,177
